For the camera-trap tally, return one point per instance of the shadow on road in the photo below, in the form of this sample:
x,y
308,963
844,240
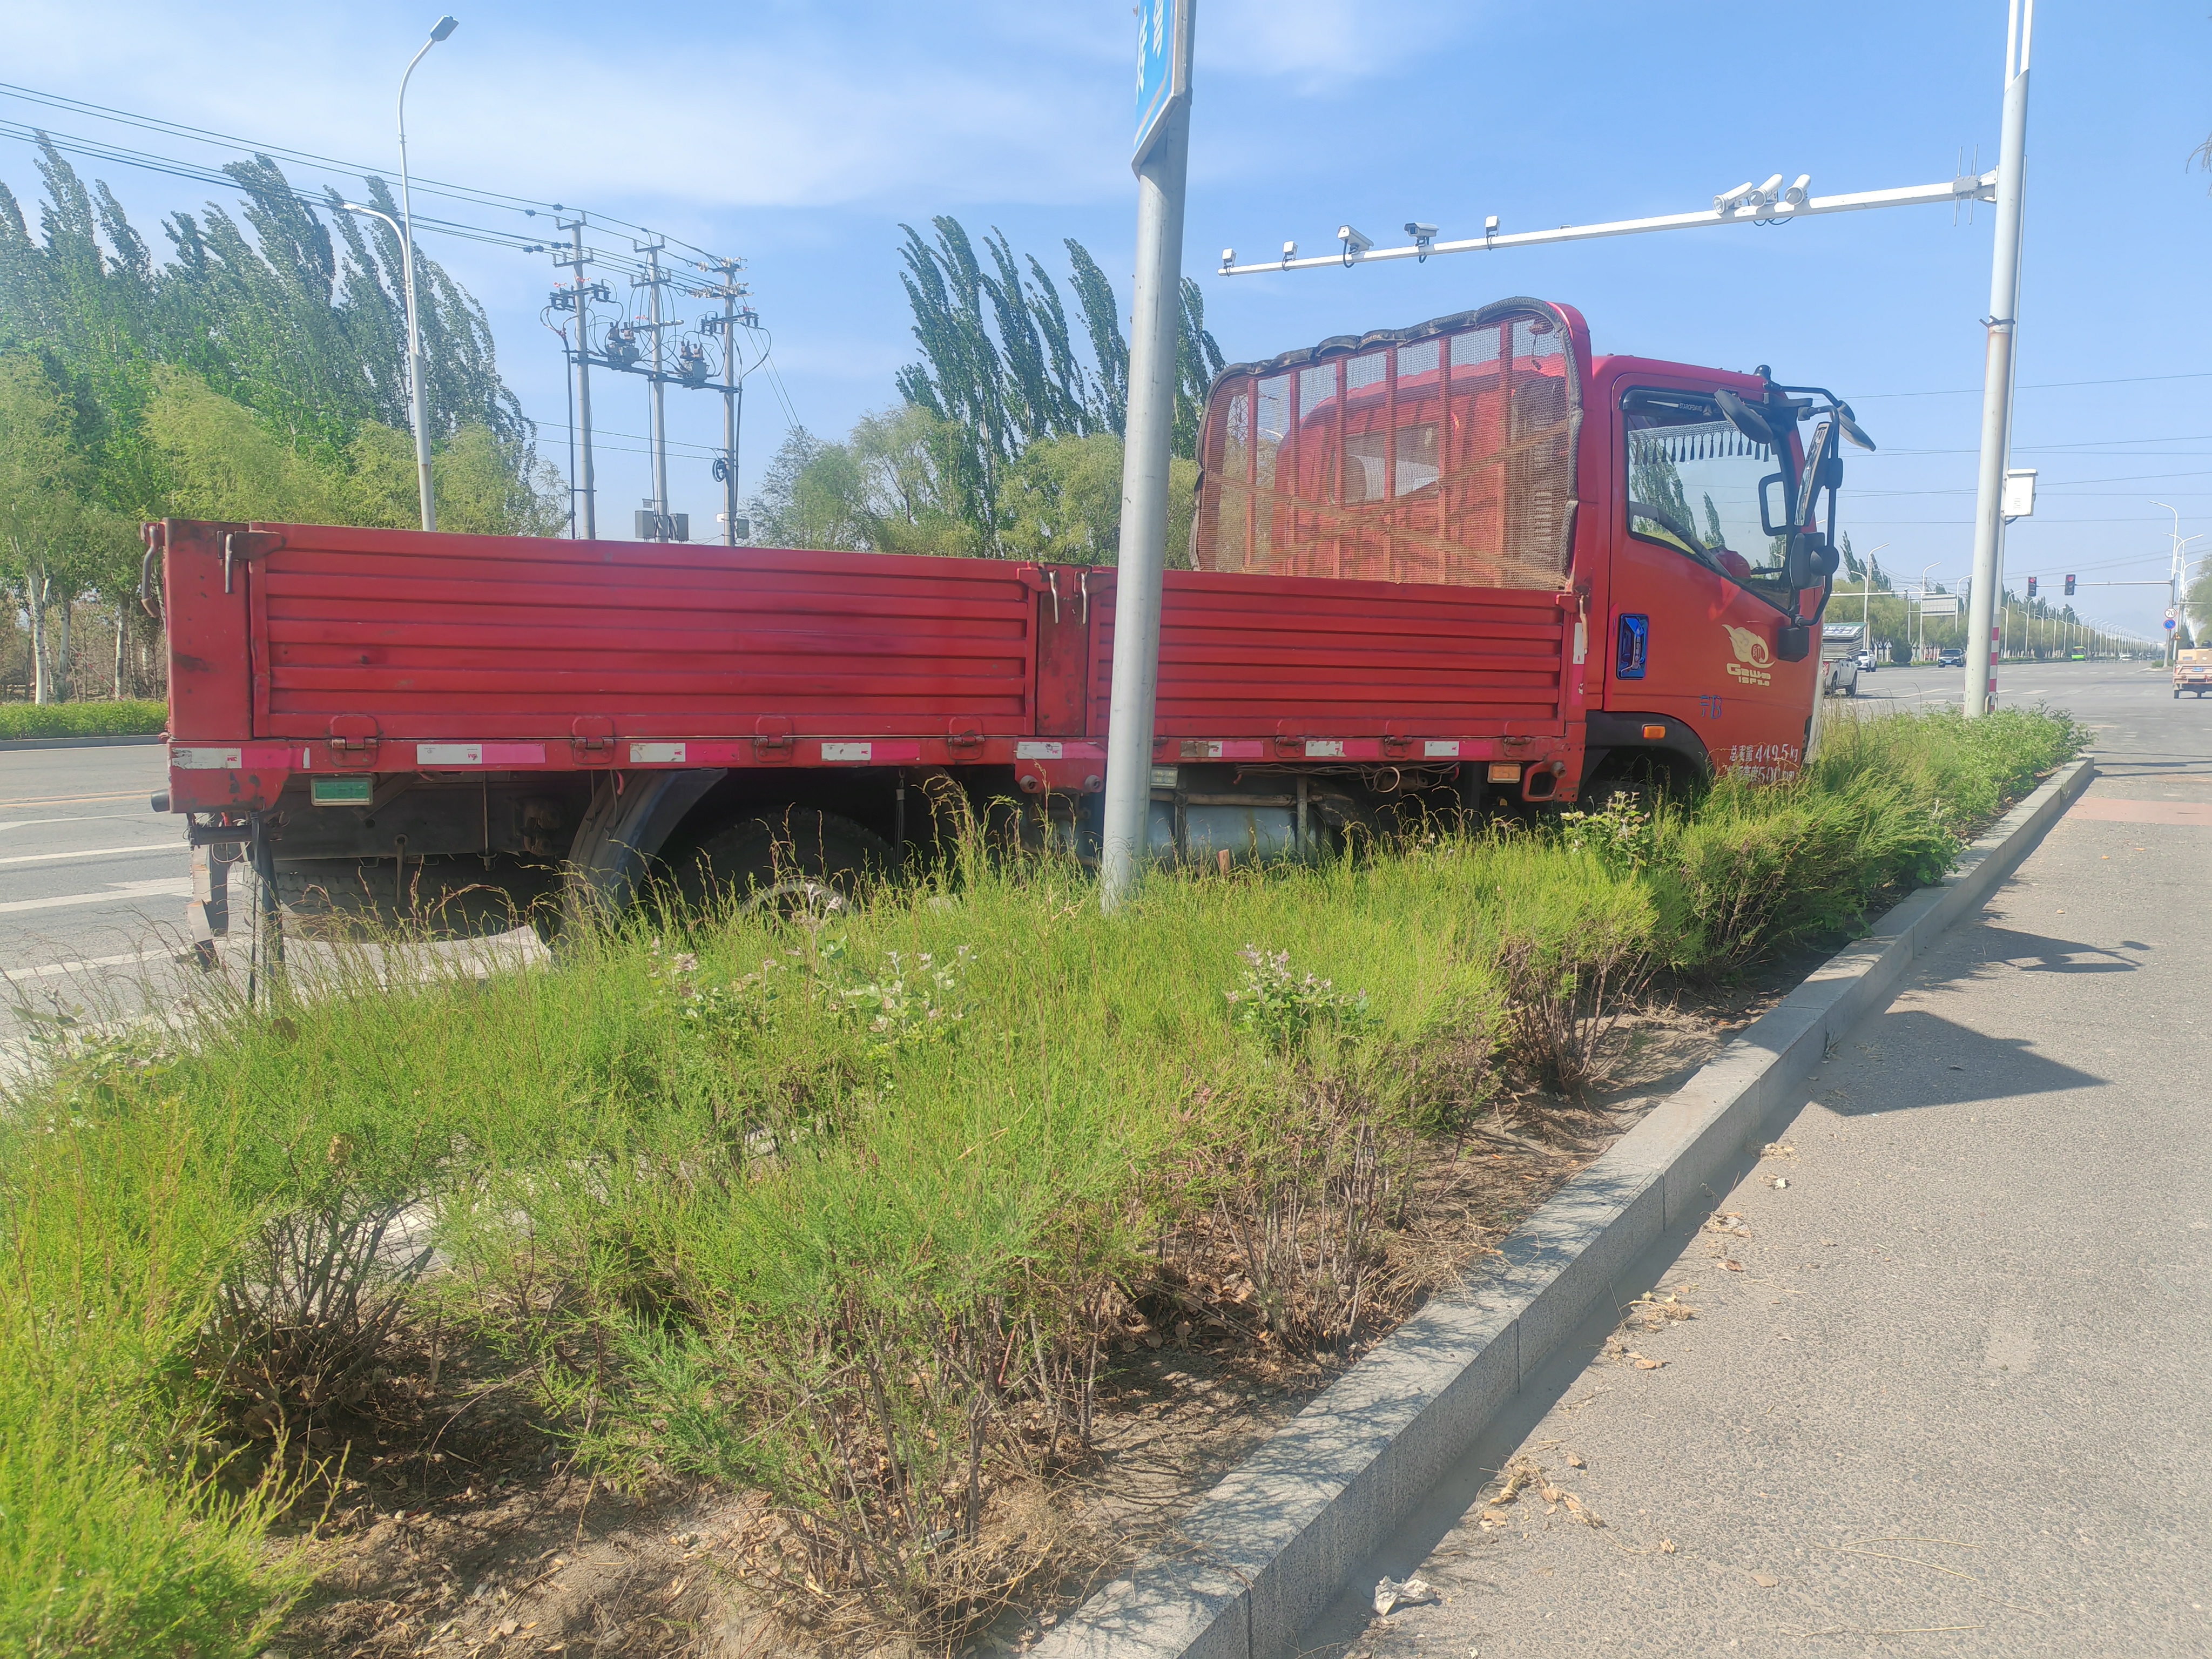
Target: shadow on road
x,y
2034,953
1927,1060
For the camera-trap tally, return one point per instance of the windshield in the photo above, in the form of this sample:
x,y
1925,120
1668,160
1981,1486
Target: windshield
x,y
1693,485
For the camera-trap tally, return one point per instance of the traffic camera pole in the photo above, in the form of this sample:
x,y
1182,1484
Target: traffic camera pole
x,y
1981,679
1164,150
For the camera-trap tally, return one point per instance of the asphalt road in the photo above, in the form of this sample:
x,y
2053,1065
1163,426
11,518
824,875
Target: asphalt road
x,y
93,881
1953,1397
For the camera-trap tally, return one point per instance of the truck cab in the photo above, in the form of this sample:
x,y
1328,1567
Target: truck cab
x,y
1488,457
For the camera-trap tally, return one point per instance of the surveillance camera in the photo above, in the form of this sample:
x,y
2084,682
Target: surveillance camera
x,y
1800,192
1769,193
1228,258
1490,226
1290,249
1354,241
1420,232
1733,198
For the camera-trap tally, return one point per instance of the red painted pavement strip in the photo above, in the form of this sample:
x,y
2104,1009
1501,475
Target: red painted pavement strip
x,y
2106,809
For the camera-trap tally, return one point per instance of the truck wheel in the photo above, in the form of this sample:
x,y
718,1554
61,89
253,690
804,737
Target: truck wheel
x,y
801,860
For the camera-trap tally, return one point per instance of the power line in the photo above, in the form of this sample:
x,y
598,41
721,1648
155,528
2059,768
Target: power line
x,y
2041,386
526,205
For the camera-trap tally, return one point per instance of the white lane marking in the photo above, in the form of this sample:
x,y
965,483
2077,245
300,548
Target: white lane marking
x,y
96,853
92,818
47,970
119,892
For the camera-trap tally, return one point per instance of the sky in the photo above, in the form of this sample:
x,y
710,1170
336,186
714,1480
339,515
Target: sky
x,y
799,137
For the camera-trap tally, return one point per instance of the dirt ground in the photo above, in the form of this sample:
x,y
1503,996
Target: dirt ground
x,y
458,1528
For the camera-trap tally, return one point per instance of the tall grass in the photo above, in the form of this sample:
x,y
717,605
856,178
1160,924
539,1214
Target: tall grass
x,y
852,1210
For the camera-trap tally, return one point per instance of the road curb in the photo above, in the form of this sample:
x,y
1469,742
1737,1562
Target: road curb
x,y
1260,1557
100,741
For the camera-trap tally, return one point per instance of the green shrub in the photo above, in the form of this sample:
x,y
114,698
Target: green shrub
x,y
82,719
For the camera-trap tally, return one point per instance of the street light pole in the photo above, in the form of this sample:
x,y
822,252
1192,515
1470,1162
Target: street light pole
x,y
444,26
2174,568
1165,33
1981,685
413,367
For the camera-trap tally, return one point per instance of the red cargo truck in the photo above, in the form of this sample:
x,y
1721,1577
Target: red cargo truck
x,y
1450,565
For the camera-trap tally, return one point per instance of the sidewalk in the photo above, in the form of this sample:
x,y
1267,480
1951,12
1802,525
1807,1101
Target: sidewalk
x,y
1953,1397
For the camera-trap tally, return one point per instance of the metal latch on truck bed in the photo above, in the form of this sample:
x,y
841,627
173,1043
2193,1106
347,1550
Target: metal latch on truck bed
x,y
353,739
248,546
593,738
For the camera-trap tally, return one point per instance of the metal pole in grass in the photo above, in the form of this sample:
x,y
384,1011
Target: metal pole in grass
x,y
1163,147
1981,680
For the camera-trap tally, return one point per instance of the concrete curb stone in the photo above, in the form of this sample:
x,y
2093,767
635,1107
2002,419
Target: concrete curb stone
x,y
1278,1539
96,741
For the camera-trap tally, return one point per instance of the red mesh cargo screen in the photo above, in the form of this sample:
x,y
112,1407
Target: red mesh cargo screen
x,y
1442,455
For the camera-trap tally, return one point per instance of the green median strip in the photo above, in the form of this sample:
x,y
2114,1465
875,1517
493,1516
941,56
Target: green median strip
x,y
126,718
854,1211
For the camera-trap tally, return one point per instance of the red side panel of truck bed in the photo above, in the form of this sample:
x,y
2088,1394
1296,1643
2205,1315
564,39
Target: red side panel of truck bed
x,y
1289,656
478,637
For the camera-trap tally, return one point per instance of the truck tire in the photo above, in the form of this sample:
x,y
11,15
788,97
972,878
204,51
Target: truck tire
x,y
801,859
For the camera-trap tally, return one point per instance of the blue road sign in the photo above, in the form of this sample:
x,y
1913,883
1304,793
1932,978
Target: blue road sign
x,y
1163,69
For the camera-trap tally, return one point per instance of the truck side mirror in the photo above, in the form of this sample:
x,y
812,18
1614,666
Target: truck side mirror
x,y
1811,560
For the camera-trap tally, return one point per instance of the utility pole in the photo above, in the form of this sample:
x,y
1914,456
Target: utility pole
x,y
729,291
652,283
587,522
1981,682
1160,161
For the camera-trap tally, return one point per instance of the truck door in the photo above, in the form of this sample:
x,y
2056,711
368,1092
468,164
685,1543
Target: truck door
x,y
1698,593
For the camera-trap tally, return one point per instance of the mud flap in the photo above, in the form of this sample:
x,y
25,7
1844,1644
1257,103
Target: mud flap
x,y
631,815
207,916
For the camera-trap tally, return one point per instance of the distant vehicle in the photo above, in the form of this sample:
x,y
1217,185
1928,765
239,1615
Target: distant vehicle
x,y
1866,662
1950,657
2192,671
1841,657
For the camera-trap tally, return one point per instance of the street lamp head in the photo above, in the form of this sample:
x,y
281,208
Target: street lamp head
x,y
444,26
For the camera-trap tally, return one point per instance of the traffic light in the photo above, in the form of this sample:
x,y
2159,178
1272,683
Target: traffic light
x,y
2031,587
2070,587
